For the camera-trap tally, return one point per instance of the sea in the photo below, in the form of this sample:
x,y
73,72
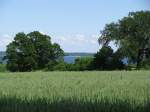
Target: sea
x,y
70,59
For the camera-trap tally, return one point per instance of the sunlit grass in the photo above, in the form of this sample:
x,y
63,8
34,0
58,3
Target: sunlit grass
x,y
117,91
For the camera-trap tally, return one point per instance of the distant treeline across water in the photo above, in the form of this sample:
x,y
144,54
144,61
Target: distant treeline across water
x,y
71,57
68,58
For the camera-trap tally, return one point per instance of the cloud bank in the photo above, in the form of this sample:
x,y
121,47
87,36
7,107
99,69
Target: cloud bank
x,y
78,42
69,43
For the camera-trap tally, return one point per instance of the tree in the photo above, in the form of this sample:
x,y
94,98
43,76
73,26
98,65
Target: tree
x,y
20,54
84,63
32,51
106,59
45,50
57,53
131,34
102,58
117,61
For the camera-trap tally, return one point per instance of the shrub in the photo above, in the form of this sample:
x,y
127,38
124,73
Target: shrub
x,y
3,68
106,59
84,63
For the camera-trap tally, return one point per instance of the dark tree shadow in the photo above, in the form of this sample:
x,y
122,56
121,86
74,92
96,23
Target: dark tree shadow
x,y
43,105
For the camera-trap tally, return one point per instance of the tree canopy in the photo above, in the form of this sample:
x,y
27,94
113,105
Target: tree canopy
x,y
132,36
31,51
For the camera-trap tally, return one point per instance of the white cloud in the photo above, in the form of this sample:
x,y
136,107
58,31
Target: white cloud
x,y
93,41
4,41
5,36
77,42
80,43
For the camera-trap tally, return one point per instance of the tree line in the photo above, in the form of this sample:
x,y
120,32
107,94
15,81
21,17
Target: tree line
x,y
131,34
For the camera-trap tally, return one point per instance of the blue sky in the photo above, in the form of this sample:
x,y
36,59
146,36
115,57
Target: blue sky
x,y
74,24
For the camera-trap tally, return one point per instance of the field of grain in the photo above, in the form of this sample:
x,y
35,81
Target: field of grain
x,y
114,91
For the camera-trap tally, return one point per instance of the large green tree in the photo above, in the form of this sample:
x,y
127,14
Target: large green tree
x,y
45,50
131,34
32,51
20,54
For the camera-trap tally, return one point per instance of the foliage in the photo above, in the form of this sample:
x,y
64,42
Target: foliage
x,y
45,50
106,59
20,54
61,66
146,64
131,34
71,67
84,63
75,91
81,64
32,51
3,68
56,66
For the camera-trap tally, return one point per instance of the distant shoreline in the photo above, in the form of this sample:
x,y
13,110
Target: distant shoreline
x,y
2,53
78,54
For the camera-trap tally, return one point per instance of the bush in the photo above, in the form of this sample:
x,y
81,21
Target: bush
x,y
106,59
3,68
84,63
81,64
61,66
72,67
56,66
146,64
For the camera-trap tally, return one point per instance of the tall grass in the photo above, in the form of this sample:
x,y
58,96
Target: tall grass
x,y
75,92
3,68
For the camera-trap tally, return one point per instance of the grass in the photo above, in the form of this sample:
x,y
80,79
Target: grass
x,y
114,91
3,68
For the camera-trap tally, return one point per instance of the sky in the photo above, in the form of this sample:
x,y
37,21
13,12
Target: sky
x,y
74,24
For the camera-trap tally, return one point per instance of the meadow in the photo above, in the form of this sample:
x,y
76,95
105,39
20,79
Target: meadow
x,y
106,91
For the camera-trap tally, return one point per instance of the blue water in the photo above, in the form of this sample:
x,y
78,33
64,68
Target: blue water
x,y
70,59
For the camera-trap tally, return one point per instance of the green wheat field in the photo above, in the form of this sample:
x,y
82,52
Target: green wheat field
x,y
114,91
